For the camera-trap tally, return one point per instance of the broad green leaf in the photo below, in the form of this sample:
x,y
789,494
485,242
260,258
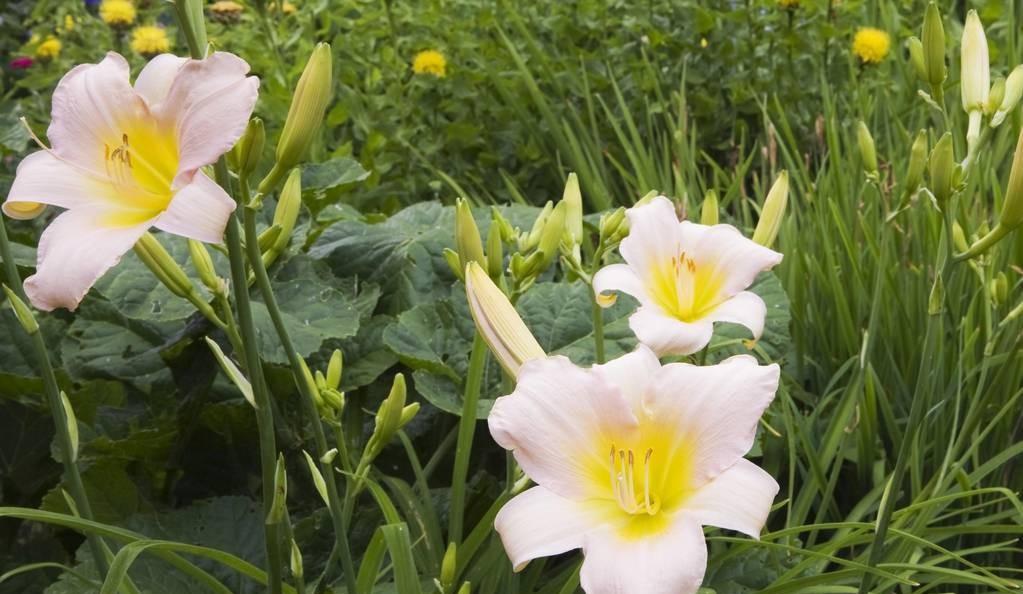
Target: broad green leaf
x,y
332,173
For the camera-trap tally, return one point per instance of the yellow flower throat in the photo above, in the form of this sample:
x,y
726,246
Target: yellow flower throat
x,y
685,289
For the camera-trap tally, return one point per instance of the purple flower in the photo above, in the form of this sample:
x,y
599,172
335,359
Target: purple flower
x,y
21,63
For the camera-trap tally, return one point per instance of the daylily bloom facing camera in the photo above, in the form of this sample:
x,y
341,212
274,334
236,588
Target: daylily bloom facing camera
x,y
631,459
125,159
686,276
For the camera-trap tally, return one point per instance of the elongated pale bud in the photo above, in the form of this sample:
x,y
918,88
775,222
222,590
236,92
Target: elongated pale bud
x,y
613,226
528,241
524,267
467,235
959,237
453,262
497,321
933,39
246,153
203,264
942,166
995,96
975,77
999,288
449,567
232,372
550,238
573,199
279,504
709,209
773,211
495,251
297,568
916,56
917,162
318,480
1013,93
868,154
408,413
22,312
72,425
286,214
1012,208
465,589
24,211
268,238
163,266
305,116
389,419
334,368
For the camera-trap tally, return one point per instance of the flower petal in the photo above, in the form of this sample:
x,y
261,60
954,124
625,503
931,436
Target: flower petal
x,y
618,277
540,523
667,335
746,308
672,562
198,211
738,499
559,423
631,373
210,101
74,251
654,237
714,409
156,78
732,261
43,178
90,106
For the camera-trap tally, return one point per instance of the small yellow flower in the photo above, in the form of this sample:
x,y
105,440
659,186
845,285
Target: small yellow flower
x,y
288,8
48,49
430,62
703,42
871,45
226,11
150,41
69,23
117,13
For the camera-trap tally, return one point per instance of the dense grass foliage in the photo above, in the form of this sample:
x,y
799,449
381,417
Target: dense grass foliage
x,y
896,433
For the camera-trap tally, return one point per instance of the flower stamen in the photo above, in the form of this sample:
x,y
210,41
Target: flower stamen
x,y
623,482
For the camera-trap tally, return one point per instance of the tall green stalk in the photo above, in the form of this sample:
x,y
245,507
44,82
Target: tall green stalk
x,y
308,398
73,477
466,430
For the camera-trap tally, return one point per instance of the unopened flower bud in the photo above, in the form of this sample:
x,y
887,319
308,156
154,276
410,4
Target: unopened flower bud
x,y
868,154
465,589
709,209
916,56
297,569
999,289
72,425
550,238
279,503
1012,207
573,200
334,368
305,116
388,419
467,235
318,480
203,264
454,263
942,164
975,76
773,212
995,96
959,237
449,566
933,39
528,241
408,413
495,251
286,214
917,162
613,225
1013,93
163,266
21,311
246,153
497,321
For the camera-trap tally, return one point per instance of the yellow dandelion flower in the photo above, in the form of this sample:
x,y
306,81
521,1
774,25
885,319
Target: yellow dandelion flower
x,y
288,8
430,62
69,23
48,49
226,11
871,45
150,41
117,13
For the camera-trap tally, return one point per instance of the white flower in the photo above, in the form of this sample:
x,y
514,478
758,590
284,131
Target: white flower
x,y
631,459
686,276
125,159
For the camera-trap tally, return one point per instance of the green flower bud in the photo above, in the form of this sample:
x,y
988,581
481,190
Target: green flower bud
x,y
773,212
72,425
942,166
163,266
999,288
204,266
22,312
454,263
573,200
550,238
286,214
613,225
448,567
467,236
995,96
334,368
868,153
959,237
305,116
709,209
934,46
916,56
388,419
528,241
246,153
495,251
1012,207
917,162
297,568
279,504
268,238
317,476
232,372
408,413
465,589
1013,92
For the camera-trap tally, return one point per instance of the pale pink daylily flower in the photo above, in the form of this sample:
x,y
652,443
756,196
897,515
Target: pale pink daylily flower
x,y
124,159
631,459
686,276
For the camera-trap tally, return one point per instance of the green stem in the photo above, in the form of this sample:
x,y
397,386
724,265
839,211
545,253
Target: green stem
x,y
73,477
598,330
308,398
264,414
466,429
